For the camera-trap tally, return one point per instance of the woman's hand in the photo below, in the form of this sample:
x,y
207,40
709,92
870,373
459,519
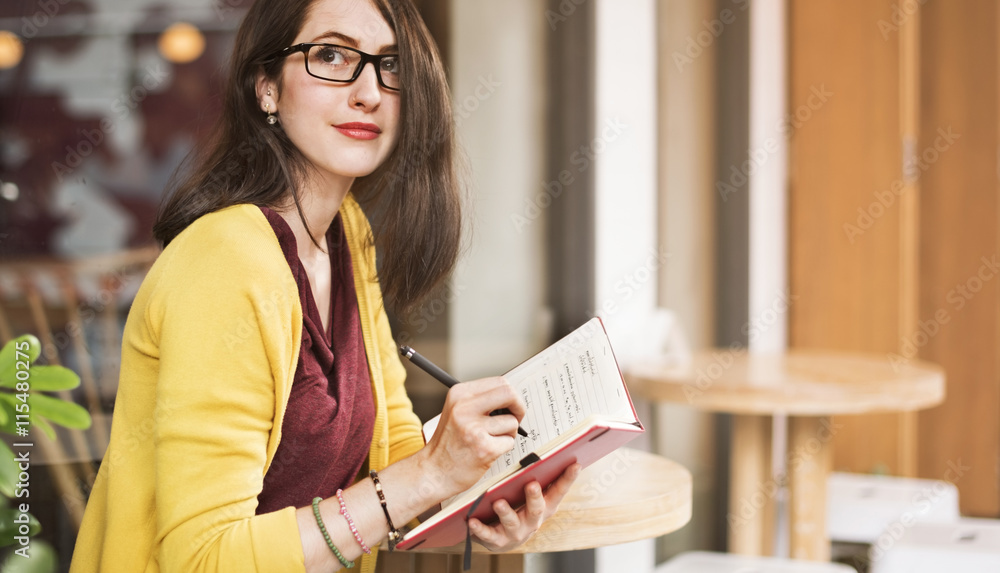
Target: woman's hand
x,y
515,527
468,439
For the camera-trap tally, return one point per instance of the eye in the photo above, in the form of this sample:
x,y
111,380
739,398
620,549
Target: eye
x,y
331,56
390,64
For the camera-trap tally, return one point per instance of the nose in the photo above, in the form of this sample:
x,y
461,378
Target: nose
x,y
367,92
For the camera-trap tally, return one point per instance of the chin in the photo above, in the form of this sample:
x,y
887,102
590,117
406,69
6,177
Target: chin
x,y
344,167
358,171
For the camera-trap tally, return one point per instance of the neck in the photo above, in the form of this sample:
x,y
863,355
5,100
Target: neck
x,y
320,198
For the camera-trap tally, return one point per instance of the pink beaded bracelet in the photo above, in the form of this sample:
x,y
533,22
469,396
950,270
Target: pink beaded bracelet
x,y
350,522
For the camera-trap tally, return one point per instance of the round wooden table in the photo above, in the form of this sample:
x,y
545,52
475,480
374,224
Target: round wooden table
x,y
626,496
806,385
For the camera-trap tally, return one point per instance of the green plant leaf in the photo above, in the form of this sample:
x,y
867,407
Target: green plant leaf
x,y
7,404
59,411
43,560
52,378
8,471
43,425
8,357
9,528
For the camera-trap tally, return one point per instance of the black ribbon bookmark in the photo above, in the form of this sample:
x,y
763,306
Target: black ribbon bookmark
x,y
467,563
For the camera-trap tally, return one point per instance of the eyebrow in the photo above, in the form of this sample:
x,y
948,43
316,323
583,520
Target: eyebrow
x,y
351,42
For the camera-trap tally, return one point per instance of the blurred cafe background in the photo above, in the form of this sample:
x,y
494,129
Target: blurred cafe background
x,y
755,174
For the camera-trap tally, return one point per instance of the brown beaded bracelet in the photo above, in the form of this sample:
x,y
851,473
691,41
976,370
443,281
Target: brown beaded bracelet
x,y
394,534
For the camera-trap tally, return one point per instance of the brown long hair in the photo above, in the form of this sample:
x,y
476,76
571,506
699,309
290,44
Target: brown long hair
x,y
412,199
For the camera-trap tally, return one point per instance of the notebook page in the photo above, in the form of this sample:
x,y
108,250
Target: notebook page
x,y
563,385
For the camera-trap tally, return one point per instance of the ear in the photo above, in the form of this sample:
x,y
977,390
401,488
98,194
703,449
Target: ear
x,y
267,93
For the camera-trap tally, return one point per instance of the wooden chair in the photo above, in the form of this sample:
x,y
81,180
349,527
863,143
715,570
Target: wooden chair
x,y
77,310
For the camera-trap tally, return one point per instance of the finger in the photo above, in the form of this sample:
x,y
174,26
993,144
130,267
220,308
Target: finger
x,y
502,425
517,407
486,534
501,444
559,488
473,389
497,394
483,447
534,504
508,517
486,448
483,385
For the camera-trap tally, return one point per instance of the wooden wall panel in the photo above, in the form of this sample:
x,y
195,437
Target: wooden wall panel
x,y
959,226
844,246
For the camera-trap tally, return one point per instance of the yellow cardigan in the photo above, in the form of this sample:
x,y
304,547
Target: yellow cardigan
x,y
208,357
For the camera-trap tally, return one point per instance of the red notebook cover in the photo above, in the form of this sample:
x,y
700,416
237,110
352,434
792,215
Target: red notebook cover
x,y
598,441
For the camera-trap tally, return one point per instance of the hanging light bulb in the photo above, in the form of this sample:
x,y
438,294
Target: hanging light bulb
x,y
9,191
182,43
11,50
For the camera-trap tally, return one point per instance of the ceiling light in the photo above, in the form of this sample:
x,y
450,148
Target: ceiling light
x,y
9,191
182,43
11,50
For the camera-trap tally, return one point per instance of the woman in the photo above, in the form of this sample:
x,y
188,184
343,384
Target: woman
x,y
258,369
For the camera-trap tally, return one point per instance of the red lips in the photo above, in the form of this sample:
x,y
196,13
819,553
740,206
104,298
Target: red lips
x,y
359,130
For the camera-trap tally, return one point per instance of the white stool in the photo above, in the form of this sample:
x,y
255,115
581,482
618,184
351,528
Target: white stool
x,y
966,546
861,507
706,562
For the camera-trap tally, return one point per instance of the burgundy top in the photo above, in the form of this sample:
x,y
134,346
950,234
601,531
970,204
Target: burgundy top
x,y
330,416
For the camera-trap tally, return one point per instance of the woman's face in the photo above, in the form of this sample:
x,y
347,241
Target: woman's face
x,y
317,115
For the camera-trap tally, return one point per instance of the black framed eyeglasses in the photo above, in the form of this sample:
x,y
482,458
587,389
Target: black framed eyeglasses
x,y
335,63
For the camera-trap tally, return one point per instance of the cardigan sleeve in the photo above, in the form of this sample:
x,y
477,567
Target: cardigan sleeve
x,y
222,315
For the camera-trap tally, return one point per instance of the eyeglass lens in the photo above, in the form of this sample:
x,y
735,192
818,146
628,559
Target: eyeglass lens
x,y
340,64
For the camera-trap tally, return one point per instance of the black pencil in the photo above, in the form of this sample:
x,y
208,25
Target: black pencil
x,y
444,378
